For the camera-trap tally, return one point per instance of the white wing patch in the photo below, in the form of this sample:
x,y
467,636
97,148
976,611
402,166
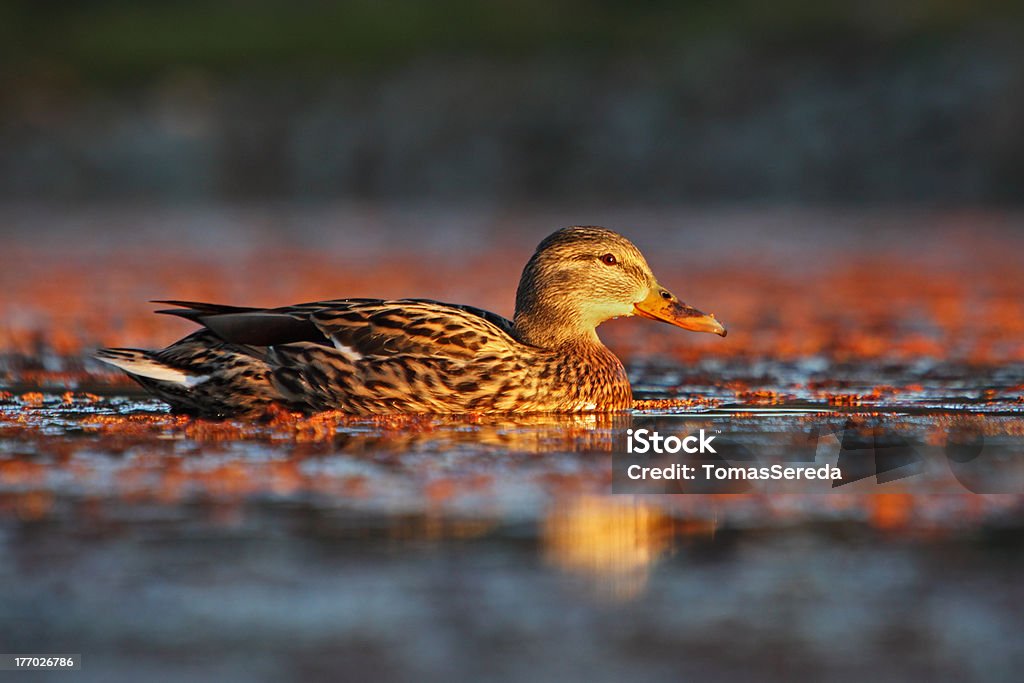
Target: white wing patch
x,y
151,369
350,354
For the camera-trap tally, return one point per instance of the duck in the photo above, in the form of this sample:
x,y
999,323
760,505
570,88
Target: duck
x,y
383,356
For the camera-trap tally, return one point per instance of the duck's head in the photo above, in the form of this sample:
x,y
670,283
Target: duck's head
x,y
581,276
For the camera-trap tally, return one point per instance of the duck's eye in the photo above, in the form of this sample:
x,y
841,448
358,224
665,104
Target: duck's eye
x,y
609,259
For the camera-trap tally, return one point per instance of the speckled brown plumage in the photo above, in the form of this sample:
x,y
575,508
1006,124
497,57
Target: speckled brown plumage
x,y
370,356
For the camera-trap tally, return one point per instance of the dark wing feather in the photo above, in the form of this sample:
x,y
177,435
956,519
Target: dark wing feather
x,y
247,326
262,328
193,310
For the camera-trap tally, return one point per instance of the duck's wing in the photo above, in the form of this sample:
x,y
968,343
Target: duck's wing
x,y
412,327
359,327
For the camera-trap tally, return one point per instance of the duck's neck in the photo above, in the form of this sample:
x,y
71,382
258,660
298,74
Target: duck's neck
x,y
554,331
584,372
545,317
584,375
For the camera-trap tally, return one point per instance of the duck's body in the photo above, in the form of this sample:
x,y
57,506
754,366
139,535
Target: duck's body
x,y
369,356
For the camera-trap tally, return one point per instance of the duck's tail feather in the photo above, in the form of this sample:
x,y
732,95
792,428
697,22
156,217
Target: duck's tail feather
x,y
144,364
200,375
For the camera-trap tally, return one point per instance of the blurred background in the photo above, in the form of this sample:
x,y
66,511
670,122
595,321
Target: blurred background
x,y
272,151
736,101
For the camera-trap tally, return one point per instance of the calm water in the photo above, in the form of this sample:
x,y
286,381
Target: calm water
x,y
461,548
328,548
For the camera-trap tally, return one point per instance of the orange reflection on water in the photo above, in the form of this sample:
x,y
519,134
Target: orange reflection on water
x,y
611,543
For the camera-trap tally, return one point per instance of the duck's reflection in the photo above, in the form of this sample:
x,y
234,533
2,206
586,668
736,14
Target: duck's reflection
x,y
525,434
611,543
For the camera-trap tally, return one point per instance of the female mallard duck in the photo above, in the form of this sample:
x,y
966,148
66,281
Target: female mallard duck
x,y
370,356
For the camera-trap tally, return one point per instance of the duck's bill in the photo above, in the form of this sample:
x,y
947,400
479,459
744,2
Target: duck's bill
x,y
675,312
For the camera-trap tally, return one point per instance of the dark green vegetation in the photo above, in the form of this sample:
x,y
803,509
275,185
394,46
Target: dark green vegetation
x,y
122,40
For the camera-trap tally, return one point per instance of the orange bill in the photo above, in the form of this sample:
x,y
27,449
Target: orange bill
x,y
662,305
